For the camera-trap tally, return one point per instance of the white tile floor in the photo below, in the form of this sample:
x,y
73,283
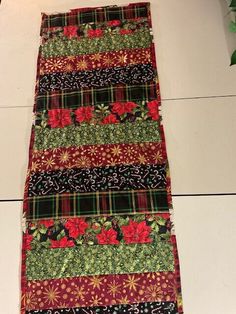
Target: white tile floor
x,y
199,107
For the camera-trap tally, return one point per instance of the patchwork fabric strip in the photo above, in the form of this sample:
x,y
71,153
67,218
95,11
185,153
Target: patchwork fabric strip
x,y
142,308
99,260
103,290
87,134
87,156
113,178
95,96
66,46
116,112
91,15
98,233
99,203
95,61
97,78
99,230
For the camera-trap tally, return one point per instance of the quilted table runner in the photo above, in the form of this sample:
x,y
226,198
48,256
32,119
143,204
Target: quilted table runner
x,y
98,234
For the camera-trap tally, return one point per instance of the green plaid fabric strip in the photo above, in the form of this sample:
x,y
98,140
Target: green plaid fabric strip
x,y
83,97
93,204
94,15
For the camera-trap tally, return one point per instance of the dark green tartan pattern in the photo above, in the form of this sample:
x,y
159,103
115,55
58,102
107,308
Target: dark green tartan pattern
x,y
95,204
92,96
94,15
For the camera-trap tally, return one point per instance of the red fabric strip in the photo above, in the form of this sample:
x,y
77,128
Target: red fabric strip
x,y
100,290
95,61
88,156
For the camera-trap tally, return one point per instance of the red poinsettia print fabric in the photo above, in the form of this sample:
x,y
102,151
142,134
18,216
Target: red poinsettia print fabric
x,y
104,230
116,112
98,231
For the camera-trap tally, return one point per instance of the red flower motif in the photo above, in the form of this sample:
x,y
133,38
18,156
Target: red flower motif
x,y
27,242
46,222
70,31
76,227
111,118
129,106
64,242
125,31
107,237
118,107
84,114
95,33
153,110
59,117
114,23
136,232
121,108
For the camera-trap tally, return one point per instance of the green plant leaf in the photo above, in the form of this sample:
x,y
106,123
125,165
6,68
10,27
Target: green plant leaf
x,y
232,27
35,233
156,228
61,235
140,218
161,221
233,58
107,225
233,3
97,231
165,236
43,230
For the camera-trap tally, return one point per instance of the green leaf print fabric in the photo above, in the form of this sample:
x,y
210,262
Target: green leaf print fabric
x,y
99,260
63,46
86,134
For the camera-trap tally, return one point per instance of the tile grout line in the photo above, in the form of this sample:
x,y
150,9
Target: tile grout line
x,y
173,195
204,194
198,97
163,100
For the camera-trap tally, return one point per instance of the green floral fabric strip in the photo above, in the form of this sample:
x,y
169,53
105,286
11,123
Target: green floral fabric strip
x,y
99,260
137,132
64,46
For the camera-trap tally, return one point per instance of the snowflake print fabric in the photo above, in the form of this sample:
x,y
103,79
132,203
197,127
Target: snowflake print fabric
x,y
98,233
87,156
114,287
95,61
